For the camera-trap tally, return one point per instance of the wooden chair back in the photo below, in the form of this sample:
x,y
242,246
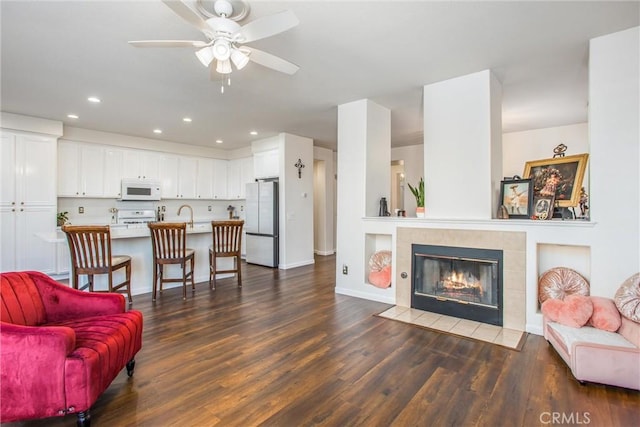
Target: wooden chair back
x,y
169,240
90,248
227,237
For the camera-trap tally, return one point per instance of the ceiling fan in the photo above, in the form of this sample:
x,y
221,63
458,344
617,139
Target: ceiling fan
x,y
226,37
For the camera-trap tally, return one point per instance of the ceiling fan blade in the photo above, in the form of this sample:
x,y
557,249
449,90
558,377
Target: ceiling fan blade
x,y
271,61
168,43
266,27
188,14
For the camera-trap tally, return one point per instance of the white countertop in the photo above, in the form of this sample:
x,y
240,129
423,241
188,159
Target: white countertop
x,y
123,232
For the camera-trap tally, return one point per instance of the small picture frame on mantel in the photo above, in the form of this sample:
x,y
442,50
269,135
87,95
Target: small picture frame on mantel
x,y
516,195
543,207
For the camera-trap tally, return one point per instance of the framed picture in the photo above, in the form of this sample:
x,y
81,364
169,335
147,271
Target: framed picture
x,y
516,195
543,207
560,177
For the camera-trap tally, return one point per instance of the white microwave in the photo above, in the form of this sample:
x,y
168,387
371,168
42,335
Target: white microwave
x,y
140,189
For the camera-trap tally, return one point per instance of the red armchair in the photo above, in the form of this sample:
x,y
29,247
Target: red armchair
x,y
60,348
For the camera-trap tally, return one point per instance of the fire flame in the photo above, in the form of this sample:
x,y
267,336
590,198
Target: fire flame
x,y
460,281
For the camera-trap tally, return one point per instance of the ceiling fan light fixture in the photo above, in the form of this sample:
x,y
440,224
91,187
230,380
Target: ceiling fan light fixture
x,y
221,49
239,58
205,55
224,67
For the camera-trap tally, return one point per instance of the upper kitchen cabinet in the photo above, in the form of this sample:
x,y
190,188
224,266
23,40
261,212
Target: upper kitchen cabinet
x,y
113,172
204,179
178,175
266,164
220,179
80,170
141,164
240,172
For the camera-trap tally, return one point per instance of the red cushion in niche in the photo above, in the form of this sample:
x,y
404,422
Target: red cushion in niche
x,y
574,310
382,278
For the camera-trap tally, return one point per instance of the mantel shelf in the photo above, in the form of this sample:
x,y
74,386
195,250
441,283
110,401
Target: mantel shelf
x,y
483,222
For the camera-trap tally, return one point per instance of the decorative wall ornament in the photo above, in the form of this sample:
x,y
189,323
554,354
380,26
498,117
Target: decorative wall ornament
x,y
299,165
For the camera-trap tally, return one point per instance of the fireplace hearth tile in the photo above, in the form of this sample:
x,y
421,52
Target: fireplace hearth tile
x,y
465,327
504,337
409,315
445,323
394,311
486,332
427,319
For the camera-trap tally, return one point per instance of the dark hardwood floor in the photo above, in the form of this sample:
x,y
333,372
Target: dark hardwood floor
x,y
285,350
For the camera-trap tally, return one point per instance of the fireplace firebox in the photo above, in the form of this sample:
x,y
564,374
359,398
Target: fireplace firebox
x,y
459,282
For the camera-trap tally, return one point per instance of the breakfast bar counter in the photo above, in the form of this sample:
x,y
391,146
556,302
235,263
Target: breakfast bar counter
x,y
135,241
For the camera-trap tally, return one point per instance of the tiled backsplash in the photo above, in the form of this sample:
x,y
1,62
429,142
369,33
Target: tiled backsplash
x,y
98,211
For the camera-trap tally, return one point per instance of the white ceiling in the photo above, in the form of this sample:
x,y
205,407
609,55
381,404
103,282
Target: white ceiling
x,y
56,54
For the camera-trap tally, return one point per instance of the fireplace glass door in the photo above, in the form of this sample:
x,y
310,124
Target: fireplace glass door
x,y
462,282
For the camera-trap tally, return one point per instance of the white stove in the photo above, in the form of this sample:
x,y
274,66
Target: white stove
x,y
136,217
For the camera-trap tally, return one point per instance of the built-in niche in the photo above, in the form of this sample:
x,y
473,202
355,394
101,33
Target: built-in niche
x,y
575,257
375,243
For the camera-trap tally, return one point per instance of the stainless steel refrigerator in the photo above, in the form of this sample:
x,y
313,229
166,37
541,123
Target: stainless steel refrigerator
x,y
261,223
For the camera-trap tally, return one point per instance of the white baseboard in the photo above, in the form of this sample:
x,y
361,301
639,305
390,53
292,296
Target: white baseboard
x,y
296,264
366,295
324,253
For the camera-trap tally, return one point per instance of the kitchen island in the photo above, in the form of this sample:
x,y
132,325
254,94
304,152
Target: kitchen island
x,y
135,241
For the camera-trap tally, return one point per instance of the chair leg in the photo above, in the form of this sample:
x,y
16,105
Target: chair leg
x,y
211,270
239,267
214,260
83,419
128,280
155,280
193,283
184,281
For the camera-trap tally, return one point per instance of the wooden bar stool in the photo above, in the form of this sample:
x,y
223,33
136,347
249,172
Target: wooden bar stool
x,y
90,247
227,242
169,241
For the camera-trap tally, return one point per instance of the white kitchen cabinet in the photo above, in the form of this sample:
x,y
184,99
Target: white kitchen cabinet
x,y
80,170
28,201
220,179
141,164
204,180
239,173
266,164
178,177
234,177
113,172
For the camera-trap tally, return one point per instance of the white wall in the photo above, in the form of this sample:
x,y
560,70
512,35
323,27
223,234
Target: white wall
x,y
614,128
460,146
323,190
363,162
521,147
296,198
413,157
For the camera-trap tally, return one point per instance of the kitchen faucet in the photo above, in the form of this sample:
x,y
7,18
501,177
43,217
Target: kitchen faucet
x,y
191,210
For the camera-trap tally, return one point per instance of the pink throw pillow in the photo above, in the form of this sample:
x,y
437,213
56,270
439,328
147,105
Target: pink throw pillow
x,y
382,278
575,310
605,314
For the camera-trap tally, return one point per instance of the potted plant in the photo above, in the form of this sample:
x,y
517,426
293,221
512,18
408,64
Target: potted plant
x,y
418,193
62,218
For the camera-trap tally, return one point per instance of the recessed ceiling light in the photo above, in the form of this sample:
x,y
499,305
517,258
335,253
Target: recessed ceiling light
x,y
94,99
157,131
218,141
72,116
187,119
253,132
